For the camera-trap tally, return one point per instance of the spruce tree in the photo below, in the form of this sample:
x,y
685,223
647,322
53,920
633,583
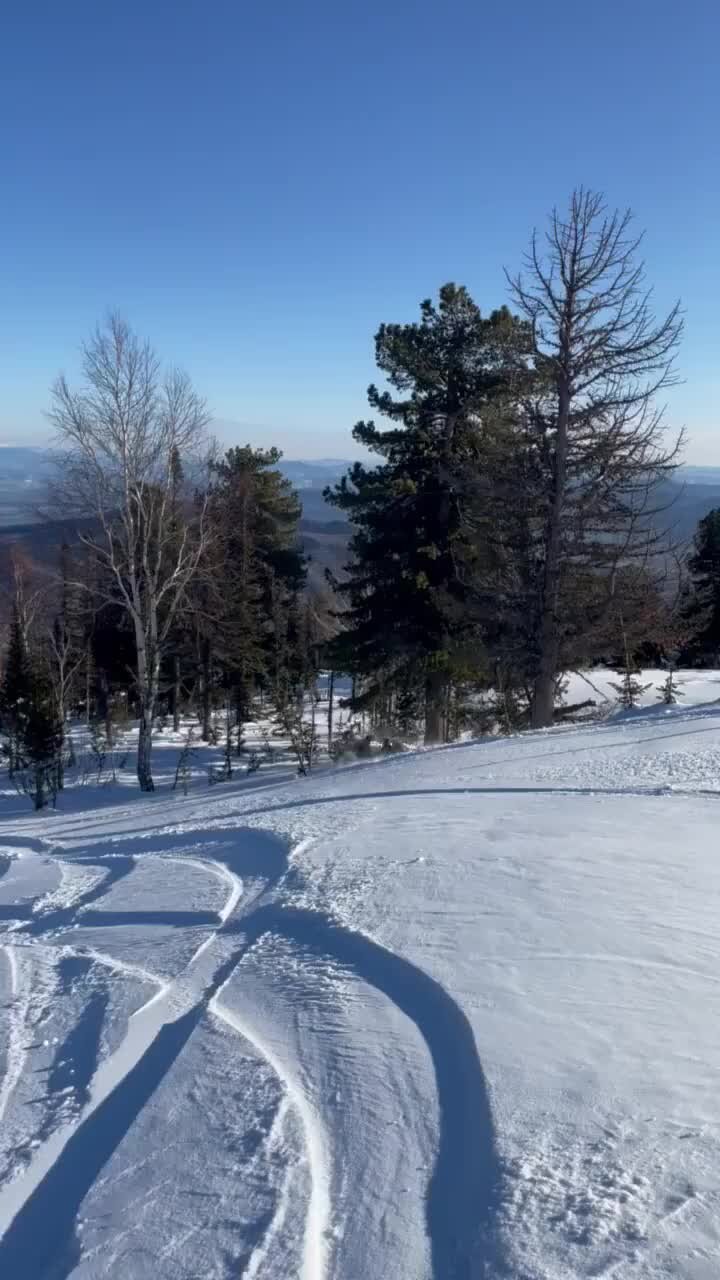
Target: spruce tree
x,y
29,718
258,572
408,585
629,688
43,742
702,603
669,691
16,692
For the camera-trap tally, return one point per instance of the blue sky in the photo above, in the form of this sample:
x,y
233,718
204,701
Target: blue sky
x,y
257,186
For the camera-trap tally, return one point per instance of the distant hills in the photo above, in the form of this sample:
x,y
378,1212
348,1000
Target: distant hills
x,y
23,475
701,475
24,470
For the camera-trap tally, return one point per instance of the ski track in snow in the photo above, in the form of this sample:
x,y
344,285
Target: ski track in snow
x,y
317,1222
15,1052
59,1169
172,1003
40,1207
260,1252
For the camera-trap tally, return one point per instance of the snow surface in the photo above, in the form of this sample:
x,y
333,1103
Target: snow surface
x,y
446,1015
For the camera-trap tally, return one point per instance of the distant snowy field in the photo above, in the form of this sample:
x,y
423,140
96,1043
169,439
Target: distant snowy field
x,y
694,686
446,1016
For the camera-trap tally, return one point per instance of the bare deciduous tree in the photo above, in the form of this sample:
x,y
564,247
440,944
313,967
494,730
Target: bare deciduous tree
x,y
121,437
24,584
594,430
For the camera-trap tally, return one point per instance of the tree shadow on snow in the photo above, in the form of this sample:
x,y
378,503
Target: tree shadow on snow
x,y
464,1191
41,1242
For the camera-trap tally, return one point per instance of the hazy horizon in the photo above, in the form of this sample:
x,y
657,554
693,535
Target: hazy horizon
x,y
294,452
306,444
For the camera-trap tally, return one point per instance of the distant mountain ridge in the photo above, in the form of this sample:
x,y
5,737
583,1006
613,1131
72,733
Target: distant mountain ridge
x,y
24,470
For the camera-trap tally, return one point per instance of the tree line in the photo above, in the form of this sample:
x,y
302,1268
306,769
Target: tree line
x,y
513,525
182,580
516,524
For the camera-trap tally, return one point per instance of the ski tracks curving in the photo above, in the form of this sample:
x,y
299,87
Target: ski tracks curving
x,y
446,1152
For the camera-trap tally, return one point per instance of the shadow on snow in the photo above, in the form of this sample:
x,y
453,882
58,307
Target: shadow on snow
x,y
41,1242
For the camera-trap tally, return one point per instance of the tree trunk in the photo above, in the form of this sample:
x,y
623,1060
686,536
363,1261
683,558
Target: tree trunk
x,y
39,798
205,689
176,693
103,698
59,765
331,697
435,682
144,768
88,683
311,740
543,703
148,675
228,741
243,703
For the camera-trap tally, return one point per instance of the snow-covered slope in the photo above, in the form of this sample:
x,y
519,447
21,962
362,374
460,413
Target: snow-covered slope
x,y
453,1014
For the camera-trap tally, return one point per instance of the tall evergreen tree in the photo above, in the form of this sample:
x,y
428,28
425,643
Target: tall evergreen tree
x,y
43,738
408,616
177,639
16,691
258,561
29,717
702,605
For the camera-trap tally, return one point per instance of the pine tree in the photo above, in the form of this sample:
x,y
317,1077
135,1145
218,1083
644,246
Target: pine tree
x,y
43,742
16,692
408,709
255,514
29,718
702,604
668,691
630,689
413,552
177,638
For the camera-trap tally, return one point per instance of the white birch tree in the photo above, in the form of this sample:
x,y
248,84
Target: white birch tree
x,y
120,438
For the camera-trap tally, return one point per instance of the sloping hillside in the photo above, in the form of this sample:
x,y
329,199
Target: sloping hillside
x,y
448,1015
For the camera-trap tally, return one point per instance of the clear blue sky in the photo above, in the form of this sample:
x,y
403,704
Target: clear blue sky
x,y
257,185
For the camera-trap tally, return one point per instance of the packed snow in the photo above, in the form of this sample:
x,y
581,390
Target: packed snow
x,y
440,1016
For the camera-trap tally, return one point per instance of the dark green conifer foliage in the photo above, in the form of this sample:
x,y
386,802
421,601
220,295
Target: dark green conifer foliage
x,y
256,513
16,692
407,600
702,606
29,719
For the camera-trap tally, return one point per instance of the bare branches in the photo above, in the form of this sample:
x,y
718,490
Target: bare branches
x,y
590,311
593,428
124,439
